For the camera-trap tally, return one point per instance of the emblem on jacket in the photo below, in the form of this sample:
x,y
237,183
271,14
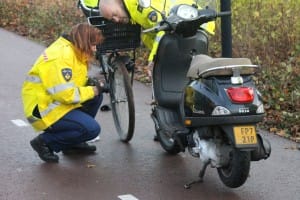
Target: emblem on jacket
x,y
140,8
67,73
152,16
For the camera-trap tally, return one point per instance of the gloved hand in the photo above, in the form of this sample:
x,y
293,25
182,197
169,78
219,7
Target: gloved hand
x,y
101,87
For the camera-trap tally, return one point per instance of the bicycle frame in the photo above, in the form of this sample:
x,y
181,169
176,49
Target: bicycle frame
x,y
107,59
117,61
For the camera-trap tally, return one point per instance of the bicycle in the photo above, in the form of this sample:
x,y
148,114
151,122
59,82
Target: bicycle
x,y
116,56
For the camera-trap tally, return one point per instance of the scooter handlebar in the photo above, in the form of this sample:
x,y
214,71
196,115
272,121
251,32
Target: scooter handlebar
x,y
156,28
166,26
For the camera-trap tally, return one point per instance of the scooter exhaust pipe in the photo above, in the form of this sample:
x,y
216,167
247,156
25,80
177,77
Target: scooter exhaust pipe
x,y
263,150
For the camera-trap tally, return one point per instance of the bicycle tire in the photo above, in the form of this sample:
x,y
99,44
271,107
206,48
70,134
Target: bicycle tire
x,y
122,101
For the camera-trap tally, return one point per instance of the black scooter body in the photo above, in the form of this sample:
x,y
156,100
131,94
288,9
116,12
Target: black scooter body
x,y
188,86
180,99
195,99
203,95
171,65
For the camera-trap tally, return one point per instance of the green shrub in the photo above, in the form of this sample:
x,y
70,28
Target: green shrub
x,y
39,20
268,33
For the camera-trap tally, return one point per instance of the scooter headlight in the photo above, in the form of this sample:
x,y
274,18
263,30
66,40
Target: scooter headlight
x,y
187,12
220,110
260,109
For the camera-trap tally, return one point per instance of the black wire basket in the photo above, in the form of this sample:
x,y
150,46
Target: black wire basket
x,y
118,37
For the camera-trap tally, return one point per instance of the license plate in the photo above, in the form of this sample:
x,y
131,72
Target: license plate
x,y
245,135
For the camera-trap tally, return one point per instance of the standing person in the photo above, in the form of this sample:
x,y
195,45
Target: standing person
x,y
124,11
58,97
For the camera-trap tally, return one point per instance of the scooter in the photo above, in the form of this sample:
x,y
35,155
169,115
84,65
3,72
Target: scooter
x,y
208,106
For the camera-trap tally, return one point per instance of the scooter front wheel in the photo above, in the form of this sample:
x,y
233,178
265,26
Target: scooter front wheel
x,y
236,172
122,101
168,144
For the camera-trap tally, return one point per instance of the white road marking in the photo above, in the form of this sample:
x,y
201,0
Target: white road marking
x,y
127,197
96,139
19,122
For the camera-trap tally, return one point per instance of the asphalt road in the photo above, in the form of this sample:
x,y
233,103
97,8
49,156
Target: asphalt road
x,y
140,170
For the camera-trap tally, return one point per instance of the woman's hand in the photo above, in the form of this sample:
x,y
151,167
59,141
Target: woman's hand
x,y
99,86
96,91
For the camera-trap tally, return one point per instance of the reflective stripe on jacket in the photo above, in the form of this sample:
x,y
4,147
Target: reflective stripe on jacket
x,y
148,17
91,3
55,84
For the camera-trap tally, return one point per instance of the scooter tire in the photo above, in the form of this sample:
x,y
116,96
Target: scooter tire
x,y
236,172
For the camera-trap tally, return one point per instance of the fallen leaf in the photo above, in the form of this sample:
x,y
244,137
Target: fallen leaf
x,y
90,165
281,133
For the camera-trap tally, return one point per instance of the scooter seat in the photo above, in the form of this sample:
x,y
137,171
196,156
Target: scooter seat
x,y
203,66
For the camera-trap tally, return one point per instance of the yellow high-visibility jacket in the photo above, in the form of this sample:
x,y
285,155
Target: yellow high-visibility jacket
x,y
55,84
148,17
91,3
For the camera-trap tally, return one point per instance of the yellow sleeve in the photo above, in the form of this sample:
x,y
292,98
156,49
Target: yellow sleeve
x,y
91,3
153,42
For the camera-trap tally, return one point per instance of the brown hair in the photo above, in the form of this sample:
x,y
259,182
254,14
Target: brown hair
x,y
84,36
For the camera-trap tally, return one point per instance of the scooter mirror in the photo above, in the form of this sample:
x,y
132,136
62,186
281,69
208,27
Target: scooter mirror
x,y
145,3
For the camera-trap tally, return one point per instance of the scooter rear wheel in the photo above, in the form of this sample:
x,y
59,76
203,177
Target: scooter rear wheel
x,y
122,101
236,172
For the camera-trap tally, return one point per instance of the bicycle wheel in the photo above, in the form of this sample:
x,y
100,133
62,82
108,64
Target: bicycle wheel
x,y
122,102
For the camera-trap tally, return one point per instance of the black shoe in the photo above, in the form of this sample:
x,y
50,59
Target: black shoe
x,y
44,152
105,107
155,138
82,148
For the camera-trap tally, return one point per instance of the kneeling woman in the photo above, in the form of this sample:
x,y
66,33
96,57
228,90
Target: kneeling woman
x,y
57,99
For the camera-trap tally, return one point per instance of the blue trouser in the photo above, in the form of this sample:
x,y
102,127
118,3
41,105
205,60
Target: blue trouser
x,y
75,127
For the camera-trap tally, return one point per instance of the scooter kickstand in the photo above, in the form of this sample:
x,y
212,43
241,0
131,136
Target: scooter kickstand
x,y
189,185
201,175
